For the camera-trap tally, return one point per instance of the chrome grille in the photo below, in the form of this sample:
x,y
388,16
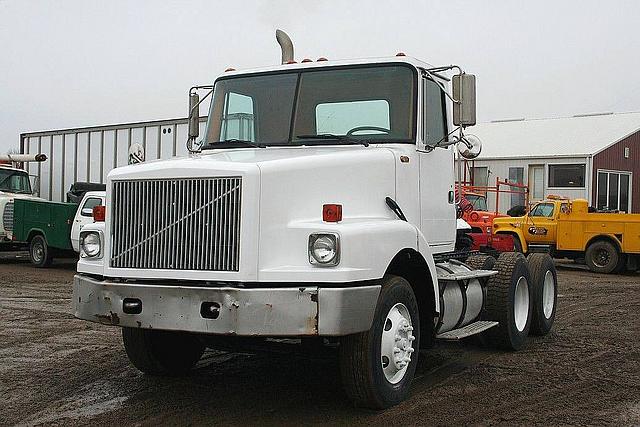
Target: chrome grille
x,y
7,217
177,224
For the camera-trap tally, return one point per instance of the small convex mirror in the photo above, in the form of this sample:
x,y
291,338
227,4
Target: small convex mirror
x,y
470,147
194,115
464,91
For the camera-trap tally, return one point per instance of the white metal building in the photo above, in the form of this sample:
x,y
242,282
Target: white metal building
x,y
595,157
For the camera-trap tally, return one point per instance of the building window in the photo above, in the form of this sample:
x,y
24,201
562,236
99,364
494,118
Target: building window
x,y
516,176
480,176
536,182
567,175
614,191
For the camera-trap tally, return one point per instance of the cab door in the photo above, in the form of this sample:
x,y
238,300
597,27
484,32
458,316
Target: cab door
x,y
84,216
541,224
437,208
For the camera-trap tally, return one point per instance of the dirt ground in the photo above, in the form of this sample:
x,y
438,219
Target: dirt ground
x,y
57,370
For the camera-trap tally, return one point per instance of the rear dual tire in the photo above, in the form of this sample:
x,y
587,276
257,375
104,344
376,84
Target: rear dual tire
x,y
544,284
509,302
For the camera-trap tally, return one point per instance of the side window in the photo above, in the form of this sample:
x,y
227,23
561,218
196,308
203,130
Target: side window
x,y
338,118
542,210
90,203
434,113
237,119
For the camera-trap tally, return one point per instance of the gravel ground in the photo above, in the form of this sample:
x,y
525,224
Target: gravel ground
x,y
57,370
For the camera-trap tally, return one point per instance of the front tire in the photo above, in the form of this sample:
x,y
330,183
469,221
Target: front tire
x,y
377,366
162,352
544,284
602,257
509,302
39,252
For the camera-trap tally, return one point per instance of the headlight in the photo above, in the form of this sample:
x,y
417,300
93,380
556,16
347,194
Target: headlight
x,y
324,249
90,244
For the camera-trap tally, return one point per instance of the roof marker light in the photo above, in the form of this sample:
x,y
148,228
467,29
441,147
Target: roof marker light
x,y
229,69
401,54
306,60
322,58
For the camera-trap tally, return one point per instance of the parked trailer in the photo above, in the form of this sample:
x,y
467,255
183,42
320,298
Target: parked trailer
x,y
333,221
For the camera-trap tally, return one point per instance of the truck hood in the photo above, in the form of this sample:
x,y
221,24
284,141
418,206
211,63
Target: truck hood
x,y
8,195
240,160
283,193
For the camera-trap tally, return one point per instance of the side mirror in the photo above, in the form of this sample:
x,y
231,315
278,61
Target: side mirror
x,y
194,115
464,92
86,212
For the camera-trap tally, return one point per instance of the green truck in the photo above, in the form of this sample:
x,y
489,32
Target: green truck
x,y
52,229
46,226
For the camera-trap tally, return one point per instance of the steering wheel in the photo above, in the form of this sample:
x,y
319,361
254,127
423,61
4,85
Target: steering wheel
x,y
361,128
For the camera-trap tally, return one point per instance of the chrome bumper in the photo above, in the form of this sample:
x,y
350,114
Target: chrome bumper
x,y
299,311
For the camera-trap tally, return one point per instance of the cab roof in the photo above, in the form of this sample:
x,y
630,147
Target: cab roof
x,y
415,63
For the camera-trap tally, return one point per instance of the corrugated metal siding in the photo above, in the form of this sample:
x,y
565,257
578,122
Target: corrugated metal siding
x,y
613,159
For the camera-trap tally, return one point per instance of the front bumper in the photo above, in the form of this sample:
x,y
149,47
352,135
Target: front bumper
x,y
292,311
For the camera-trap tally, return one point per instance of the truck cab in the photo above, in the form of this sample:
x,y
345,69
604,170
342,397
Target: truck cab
x,y
319,204
537,228
14,184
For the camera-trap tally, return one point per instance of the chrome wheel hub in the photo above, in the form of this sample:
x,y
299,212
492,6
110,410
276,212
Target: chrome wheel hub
x,y
548,293
38,252
521,304
397,343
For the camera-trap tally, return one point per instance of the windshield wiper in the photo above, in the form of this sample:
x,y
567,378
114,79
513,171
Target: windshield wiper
x,y
339,138
233,141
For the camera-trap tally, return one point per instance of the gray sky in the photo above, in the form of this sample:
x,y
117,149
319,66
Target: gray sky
x,y
68,63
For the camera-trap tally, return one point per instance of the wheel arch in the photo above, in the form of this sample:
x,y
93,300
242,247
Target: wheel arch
x,y
605,238
412,266
36,232
516,235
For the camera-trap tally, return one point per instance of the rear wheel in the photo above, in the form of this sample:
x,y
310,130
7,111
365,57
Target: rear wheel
x,y
162,352
602,257
377,366
481,262
39,252
509,302
544,291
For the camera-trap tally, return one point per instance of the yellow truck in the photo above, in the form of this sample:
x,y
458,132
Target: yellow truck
x,y
608,242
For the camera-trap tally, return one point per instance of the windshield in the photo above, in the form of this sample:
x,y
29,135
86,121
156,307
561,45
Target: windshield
x,y
14,181
373,103
479,202
542,209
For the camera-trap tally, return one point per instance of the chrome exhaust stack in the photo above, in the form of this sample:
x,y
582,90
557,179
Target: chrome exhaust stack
x,y
286,46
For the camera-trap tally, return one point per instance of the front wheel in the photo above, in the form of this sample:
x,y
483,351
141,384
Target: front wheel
x,y
39,252
377,366
162,352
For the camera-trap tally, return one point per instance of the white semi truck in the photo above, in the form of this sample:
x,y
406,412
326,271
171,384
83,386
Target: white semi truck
x,y
319,204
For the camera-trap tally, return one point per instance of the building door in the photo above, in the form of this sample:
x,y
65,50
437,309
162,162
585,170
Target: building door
x,y
536,182
516,176
614,191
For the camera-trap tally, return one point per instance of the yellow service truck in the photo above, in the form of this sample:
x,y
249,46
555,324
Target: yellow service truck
x,y
608,242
